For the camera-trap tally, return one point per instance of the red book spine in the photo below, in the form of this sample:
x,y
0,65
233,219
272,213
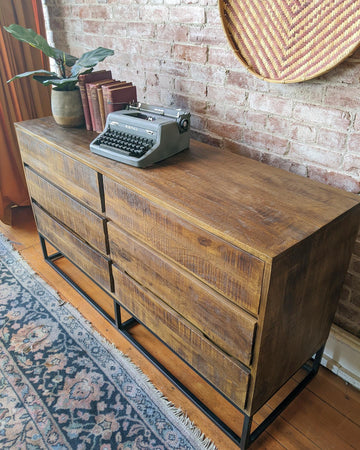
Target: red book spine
x,y
88,78
117,99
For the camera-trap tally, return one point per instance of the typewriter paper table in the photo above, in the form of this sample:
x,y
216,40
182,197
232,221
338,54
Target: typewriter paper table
x,y
235,265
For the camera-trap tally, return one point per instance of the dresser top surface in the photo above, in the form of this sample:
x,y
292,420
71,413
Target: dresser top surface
x,y
262,209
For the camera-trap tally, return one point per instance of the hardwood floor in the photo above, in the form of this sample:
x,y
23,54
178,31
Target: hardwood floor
x,y
325,415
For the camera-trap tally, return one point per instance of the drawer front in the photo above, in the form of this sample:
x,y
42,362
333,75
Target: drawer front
x,y
221,321
215,366
86,258
234,273
87,224
72,176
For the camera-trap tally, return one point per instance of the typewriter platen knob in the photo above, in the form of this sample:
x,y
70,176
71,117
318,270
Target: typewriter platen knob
x,y
183,123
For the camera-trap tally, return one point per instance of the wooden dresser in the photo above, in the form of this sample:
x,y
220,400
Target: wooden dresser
x,y
235,265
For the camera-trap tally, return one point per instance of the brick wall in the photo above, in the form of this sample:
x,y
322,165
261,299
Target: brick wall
x,y
176,52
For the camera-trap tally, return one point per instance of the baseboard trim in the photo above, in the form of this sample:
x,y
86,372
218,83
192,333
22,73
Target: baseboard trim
x,y
342,355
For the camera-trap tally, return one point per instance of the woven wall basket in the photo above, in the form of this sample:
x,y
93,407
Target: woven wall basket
x,y
288,41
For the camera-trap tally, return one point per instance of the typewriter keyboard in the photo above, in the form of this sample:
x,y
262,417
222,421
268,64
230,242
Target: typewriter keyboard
x,y
125,143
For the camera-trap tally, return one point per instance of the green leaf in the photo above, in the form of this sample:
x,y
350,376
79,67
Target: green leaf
x,y
36,40
67,59
29,36
35,72
90,59
62,84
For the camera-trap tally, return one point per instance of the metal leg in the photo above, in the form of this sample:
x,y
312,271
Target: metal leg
x,y
245,435
312,371
246,438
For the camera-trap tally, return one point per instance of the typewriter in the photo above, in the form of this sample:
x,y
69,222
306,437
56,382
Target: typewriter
x,y
143,134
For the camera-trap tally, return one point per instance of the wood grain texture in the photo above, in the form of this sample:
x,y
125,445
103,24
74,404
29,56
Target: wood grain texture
x,y
232,272
219,369
303,293
325,415
82,255
70,212
224,324
266,210
225,234
77,179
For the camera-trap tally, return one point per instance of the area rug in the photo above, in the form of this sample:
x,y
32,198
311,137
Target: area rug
x,y
62,386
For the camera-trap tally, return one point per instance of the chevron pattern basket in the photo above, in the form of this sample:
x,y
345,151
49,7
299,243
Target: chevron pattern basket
x,y
288,41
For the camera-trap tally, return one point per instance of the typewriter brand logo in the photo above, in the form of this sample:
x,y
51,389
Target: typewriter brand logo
x,y
130,127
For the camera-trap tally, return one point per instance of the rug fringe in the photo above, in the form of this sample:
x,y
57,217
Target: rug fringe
x,y
187,424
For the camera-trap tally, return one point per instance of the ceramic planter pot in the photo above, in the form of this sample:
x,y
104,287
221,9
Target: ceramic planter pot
x,y
66,107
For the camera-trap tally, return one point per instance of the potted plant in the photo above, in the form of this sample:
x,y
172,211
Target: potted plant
x,y
66,102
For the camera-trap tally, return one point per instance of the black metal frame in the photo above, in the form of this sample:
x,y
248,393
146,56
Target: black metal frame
x,y
247,437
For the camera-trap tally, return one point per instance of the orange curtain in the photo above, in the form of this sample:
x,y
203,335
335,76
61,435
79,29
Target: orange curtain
x,y
20,100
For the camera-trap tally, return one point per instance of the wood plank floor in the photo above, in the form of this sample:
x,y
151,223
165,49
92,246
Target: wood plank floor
x,y
325,415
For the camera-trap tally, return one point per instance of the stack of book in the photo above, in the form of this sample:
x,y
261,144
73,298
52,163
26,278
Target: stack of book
x,y
101,94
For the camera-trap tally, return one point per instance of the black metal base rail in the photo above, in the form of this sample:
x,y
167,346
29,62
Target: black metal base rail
x,y
247,437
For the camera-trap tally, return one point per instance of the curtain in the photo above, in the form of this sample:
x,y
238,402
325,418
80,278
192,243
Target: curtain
x,y
20,100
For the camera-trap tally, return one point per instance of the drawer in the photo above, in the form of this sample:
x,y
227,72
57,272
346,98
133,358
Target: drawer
x,y
87,224
222,371
75,178
232,272
82,255
221,321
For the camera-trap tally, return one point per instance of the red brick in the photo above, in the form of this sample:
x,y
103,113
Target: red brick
x,y
208,74
231,96
304,92
175,68
187,14
150,13
171,32
132,46
126,13
336,179
193,88
198,122
357,122
309,153
303,133
256,120
352,164
331,139
343,96
136,29
330,117
193,53
113,28
265,141
158,50
243,150
274,105
93,26
207,35
278,125
354,142
223,129
246,80
216,111
223,57
285,164
213,16
235,115
152,95
99,12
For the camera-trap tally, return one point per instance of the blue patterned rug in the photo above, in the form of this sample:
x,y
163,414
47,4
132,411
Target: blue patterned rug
x,y
63,387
